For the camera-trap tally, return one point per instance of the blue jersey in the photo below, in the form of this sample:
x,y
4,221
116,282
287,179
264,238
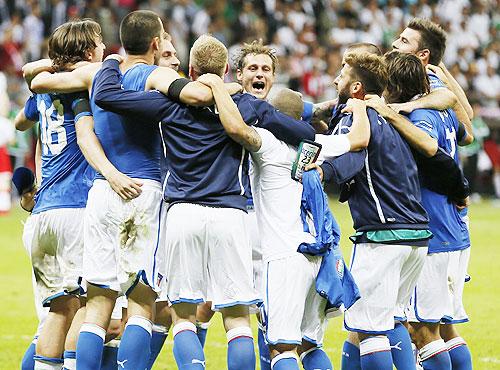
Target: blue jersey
x,y
136,153
382,180
204,165
435,82
66,175
450,231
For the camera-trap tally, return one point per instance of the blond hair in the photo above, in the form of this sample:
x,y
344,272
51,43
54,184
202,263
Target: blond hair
x,y
288,102
370,70
208,55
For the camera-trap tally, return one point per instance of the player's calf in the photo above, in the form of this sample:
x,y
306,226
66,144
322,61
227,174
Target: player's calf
x,y
240,348
431,348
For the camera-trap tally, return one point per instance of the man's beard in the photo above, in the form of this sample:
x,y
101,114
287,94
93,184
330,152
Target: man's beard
x,y
344,96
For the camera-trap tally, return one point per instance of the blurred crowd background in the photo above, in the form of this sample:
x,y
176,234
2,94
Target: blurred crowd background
x,y
309,37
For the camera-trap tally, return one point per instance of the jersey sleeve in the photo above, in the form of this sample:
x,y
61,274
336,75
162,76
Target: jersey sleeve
x,y
30,109
332,146
426,123
435,82
108,94
283,127
268,141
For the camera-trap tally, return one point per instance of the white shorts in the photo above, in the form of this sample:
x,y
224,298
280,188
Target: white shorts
x,y
386,276
292,309
120,304
438,294
258,263
122,237
208,256
54,239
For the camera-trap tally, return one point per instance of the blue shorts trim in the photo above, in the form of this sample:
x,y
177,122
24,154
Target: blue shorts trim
x,y
187,300
141,275
50,360
400,318
46,302
451,321
312,341
102,286
382,332
283,341
237,303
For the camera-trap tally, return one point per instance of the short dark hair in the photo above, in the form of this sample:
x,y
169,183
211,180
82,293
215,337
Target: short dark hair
x,y
137,30
370,70
70,42
432,37
256,47
364,46
407,77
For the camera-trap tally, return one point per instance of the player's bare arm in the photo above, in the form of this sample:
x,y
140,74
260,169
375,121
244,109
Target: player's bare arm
x,y
30,70
21,122
414,136
230,116
450,81
359,136
65,82
126,187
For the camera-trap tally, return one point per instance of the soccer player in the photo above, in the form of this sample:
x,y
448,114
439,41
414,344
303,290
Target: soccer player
x,y
427,41
206,180
391,225
444,272
134,225
56,238
295,313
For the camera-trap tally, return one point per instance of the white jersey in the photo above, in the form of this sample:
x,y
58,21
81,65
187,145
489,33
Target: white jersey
x,y
277,196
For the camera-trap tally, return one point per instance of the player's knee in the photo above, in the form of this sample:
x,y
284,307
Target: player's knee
x,y
235,316
204,312
279,348
163,314
114,330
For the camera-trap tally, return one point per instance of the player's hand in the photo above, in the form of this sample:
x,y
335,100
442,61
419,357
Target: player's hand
x,y
126,187
402,107
377,103
353,104
27,200
438,72
117,57
210,79
233,88
464,203
315,166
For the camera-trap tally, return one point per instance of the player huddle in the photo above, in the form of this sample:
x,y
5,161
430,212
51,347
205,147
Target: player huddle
x,y
161,199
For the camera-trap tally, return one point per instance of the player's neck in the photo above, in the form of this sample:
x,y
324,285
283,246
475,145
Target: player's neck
x,y
132,60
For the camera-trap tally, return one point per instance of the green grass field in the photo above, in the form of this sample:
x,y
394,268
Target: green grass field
x,y
482,296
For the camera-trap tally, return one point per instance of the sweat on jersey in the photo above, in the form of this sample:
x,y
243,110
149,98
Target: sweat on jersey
x,y
133,149
66,175
383,178
449,230
203,164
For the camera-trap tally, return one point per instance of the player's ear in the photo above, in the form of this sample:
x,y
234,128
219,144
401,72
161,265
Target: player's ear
x,y
227,69
424,55
239,74
155,43
191,72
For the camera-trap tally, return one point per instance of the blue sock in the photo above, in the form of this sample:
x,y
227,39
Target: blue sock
x,y
89,347
240,349
435,356
201,332
316,359
285,361
401,349
350,357
375,353
28,363
110,355
459,354
69,360
135,344
188,352
265,356
157,339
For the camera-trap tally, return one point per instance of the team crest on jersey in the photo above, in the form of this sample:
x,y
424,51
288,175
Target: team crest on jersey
x,y
340,268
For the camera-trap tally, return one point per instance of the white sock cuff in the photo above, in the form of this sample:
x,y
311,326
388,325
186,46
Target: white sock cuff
x,y
432,349
41,365
304,354
242,331
113,343
183,326
282,356
373,345
94,329
70,364
203,325
160,329
455,342
140,321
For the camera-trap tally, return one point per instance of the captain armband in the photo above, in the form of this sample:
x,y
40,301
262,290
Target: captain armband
x,y
175,88
81,108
